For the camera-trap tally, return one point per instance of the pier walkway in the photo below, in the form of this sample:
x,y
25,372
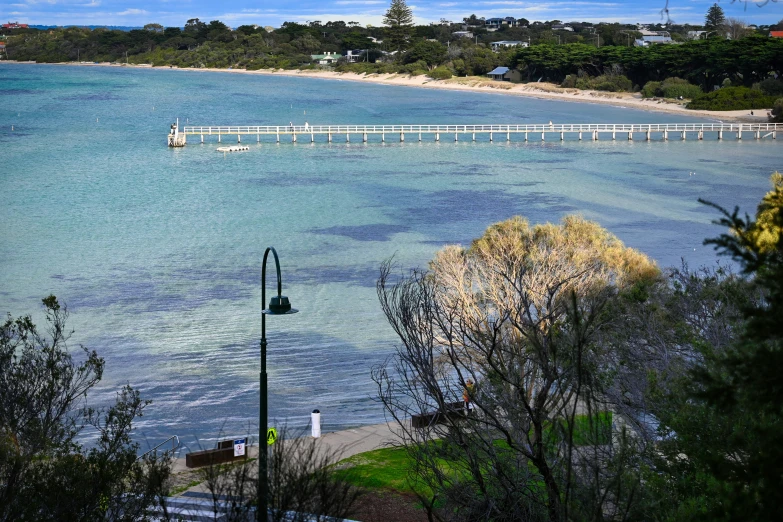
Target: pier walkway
x,y
571,131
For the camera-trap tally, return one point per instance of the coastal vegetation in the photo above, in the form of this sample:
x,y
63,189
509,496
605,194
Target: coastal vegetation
x,y
595,57
540,329
589,385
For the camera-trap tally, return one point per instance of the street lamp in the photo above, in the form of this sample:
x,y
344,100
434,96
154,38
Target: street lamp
x,y
278,305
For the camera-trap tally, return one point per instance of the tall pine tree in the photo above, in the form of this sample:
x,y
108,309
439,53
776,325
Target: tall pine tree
x,y
399,25
714,19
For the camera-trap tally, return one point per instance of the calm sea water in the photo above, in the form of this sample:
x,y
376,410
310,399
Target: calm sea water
x,y
157,252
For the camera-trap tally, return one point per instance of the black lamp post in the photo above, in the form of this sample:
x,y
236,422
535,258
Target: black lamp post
x,y
278,305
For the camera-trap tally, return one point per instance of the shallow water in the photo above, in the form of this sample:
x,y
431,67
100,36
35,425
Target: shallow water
x,y
157,252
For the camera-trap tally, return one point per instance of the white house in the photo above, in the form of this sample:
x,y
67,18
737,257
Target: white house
x,y
507,43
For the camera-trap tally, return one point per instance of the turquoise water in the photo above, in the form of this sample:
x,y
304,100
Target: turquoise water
x,y
157,252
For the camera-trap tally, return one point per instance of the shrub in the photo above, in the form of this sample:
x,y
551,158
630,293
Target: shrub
x,y
770,87
777,111
671,88
732,99
676,87
651,89
569,82
440,73
612,83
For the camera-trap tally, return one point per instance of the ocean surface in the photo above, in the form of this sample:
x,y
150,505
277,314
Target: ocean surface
x,y
157,252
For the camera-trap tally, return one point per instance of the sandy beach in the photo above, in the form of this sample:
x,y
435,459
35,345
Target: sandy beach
x,y
547,91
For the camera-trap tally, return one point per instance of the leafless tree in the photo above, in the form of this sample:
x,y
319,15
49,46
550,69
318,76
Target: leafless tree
x,y
520,313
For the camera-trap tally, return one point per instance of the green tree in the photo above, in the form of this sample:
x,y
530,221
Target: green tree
x,y
433,53
399,25
714,19
45,472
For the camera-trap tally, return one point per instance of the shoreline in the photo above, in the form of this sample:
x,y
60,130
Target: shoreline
x,y
546,91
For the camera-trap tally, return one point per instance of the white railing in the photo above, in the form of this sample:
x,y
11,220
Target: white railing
x,y
467,129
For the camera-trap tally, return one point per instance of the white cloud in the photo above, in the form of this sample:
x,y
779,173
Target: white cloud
x,y
128,12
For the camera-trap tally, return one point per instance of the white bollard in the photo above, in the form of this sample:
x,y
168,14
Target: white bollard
x,y
315,419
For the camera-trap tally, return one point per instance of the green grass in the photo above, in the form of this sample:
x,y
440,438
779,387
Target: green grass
x,y
379,469
388,468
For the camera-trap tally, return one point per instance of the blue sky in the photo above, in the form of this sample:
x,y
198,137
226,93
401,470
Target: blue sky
x,y
275,12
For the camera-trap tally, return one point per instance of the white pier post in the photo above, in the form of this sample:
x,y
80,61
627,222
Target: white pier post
x,y
562,135
239,138
364,137
402,137
329,137
614,137
437,136
383,137
595,135
739,132
312,137
258,138
665,135
683,135
774,135
526,137
542,135
630,135
720,134
701,134
456,137
490,135
648,134
347,137
508,136
580,135
219,137
419,135
293,138
278,136
202,138
474,136
758,134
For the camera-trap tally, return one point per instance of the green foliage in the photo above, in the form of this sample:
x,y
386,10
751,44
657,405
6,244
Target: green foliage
x,y
612,81
431,53
45,473
714,19
440,73
770,87
651,89
777,111
671,88
731,99
399,24
701,62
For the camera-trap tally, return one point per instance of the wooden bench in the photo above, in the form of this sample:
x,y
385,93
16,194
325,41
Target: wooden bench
x,y
453,410
224,452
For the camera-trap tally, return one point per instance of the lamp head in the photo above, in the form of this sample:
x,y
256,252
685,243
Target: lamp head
x,y
280,305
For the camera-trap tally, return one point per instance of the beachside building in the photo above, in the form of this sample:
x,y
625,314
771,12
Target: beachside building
x,y
504,74
462,34
776,34
496,46
562,27
14,25
653,37
493,24
328,58
354,55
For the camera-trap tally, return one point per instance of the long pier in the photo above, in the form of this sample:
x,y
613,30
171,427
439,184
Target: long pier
x,y
592,131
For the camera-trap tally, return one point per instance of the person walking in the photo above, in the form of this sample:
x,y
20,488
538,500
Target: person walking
x,y
467,395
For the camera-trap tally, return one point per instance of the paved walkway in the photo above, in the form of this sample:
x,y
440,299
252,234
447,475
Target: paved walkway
x,y
345,443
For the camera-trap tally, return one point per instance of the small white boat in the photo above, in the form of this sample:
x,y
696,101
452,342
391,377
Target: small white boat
x,y
234,148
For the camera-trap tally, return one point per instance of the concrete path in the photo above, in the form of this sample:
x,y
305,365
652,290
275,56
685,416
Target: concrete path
x,y
344,443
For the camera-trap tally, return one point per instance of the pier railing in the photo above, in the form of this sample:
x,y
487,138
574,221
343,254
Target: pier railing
x,y
445,129
593,130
